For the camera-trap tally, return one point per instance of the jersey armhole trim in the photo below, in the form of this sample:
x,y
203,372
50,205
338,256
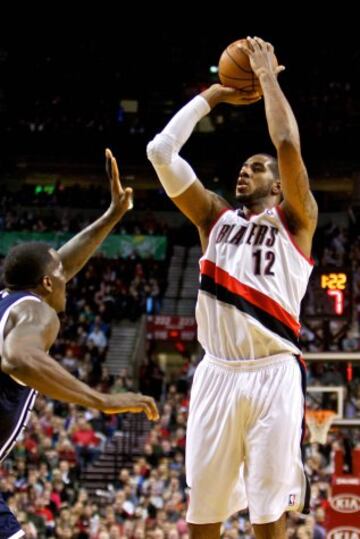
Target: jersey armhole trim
x,y
217,218
6,314
282,217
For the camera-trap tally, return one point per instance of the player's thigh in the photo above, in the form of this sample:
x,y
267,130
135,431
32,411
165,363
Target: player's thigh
x,y
214,454
214,444
273,466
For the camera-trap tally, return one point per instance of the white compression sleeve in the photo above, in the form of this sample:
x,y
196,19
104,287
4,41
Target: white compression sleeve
x,y
175,174
182,124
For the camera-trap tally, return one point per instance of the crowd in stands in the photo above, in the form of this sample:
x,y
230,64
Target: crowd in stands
x,y
42,479
21,209
31,210
74,104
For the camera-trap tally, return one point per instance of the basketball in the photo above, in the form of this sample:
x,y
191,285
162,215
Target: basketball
x,y
235,69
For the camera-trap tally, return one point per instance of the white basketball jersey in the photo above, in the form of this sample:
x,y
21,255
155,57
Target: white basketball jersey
x,y
253,278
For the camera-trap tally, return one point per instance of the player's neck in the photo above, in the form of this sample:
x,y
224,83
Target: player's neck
x,y
257,208
31,291
35,292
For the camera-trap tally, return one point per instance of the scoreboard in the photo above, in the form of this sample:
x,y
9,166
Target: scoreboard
x,y
329,294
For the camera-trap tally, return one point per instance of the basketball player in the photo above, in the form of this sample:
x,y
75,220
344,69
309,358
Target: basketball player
x,y
246,411
35,276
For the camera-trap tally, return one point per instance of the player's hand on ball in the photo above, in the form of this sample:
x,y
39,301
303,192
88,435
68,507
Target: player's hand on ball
x,y
234,96
217,93
261,56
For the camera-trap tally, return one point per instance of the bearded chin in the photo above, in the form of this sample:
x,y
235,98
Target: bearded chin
x,y
255,196
246,199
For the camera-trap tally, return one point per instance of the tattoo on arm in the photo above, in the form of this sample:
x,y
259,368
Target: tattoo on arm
x,y
305,197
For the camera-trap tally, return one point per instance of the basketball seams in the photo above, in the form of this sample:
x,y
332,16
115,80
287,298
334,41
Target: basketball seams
x,y
244,88
252,85
235,69
240,67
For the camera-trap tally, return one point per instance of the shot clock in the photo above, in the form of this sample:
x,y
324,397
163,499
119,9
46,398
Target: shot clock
x,y
329,294
335,283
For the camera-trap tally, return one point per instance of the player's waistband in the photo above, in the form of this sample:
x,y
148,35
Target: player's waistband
x,y
249,364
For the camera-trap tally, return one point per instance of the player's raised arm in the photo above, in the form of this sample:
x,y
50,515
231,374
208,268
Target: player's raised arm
x,y
299,203
76,252
176,175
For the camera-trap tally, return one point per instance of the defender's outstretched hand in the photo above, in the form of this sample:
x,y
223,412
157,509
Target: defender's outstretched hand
x,y
121,199
76,252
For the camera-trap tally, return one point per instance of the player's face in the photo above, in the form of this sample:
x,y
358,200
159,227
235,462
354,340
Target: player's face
x,y
255,180
57,296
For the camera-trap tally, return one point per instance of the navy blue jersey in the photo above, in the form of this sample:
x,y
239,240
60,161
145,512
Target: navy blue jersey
x,y
9,526
16,399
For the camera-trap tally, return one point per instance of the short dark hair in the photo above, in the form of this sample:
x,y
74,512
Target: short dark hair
x,y
26,264
274,165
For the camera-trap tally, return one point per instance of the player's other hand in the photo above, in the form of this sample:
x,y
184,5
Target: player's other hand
x,y
134,403
217,93
238,97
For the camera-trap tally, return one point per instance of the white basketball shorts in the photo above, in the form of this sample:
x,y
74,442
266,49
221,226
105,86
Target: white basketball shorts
x,y
244,439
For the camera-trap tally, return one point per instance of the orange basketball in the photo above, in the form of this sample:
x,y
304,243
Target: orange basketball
x,y
235,69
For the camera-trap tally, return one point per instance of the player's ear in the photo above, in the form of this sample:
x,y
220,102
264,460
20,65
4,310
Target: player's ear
x,y
46,282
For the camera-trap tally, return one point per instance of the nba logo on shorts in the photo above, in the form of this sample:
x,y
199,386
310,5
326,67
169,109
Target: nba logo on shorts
x,y
292,499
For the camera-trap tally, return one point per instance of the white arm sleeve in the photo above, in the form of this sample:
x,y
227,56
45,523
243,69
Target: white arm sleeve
x,y
175,174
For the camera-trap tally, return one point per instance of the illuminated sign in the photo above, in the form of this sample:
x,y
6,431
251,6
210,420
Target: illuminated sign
x,y
335,284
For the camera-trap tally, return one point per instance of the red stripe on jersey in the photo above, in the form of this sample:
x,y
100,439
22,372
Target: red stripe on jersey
x,y
252,295
302,361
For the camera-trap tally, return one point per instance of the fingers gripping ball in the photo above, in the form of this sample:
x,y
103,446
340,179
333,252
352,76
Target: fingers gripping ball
x,y
235,69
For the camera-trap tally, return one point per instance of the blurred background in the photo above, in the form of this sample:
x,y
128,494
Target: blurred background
x,y
68,89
